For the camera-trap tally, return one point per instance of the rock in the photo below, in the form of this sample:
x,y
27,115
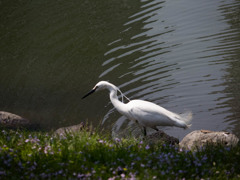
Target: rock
x,y
161,137
199,138
13,121
69,129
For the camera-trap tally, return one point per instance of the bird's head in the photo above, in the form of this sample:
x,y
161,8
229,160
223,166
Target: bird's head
x,y
99,86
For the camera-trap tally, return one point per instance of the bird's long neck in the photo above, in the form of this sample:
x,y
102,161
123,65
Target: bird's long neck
x,y
114,99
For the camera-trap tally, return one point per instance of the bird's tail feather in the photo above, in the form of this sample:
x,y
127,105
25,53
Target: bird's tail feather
x,y
187,118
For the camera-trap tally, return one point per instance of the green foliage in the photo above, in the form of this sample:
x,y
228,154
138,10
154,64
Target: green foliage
x,y
91,155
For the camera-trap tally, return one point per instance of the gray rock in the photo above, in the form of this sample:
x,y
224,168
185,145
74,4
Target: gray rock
x,y
161,137
9,120
200,138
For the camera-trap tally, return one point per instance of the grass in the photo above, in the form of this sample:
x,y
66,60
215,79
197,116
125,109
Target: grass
x,y
91,155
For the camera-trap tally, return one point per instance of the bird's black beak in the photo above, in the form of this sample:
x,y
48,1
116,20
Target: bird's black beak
x,y
92,91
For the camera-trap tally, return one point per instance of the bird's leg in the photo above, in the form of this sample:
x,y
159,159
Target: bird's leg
x,y
144,131
144,128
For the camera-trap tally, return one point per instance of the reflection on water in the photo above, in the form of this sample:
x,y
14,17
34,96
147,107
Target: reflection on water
x,y
180,55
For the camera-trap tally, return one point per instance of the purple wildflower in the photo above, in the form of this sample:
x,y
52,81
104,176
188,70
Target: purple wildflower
x,y
122,175
117,140
2,173
147,147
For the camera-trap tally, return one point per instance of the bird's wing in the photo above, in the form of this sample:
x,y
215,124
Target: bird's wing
x,y
150,114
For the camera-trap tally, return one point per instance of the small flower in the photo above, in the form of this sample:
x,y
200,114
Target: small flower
x,y
138,158
119,170
20,164
80,175
2,173
122,175
43,175
227,148
61,164
132,176
117,140
147,147
180,171
47,149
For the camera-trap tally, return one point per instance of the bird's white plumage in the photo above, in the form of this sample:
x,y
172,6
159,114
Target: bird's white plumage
x,y
147,114
151,115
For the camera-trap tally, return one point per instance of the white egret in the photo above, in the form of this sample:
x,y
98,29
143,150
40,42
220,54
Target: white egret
x,y
146,114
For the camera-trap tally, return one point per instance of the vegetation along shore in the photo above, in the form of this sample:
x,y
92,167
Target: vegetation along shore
x,y
94,155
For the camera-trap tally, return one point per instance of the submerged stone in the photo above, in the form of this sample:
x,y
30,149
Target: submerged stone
x,y
161,137
70,129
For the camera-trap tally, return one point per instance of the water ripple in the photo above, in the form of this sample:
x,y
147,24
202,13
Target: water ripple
x,y
174,58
